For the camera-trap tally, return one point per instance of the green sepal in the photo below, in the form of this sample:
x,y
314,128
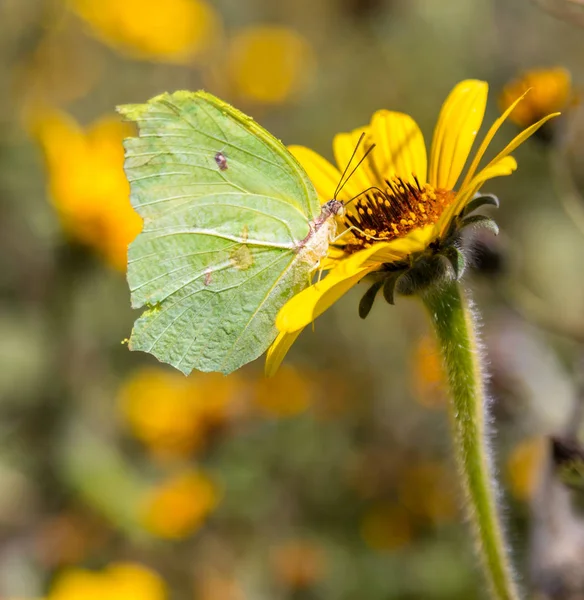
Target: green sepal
x,y
480,201
368,299
456,259
426,272
389,287
480,221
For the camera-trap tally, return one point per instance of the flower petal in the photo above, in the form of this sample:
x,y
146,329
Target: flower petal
x,y
413,242
519,139
344,145
459,121
324,176
487,140
333,256
496,168
306,306
400,149
278,350
370,256
504,166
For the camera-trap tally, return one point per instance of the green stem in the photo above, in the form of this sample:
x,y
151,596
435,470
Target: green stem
x,y
453,322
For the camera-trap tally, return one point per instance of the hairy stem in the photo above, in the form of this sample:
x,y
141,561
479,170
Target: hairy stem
x,y
453,322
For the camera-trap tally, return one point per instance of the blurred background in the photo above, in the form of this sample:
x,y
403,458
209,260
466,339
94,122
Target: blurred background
x,y
120,479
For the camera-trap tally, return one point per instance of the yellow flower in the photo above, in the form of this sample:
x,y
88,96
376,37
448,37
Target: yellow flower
x,y
87,182
172,31
180,505
119,581
405,205
550,90
269,64
173,414
524,467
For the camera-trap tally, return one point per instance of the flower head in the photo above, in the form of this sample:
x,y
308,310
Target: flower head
x,y
180,505
87,182
549,90
119,581
173,414
268,64
402,211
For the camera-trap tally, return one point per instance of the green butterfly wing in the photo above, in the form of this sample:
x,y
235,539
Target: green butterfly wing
x,y
224,206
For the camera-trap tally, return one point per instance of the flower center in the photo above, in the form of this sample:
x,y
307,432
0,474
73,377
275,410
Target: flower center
x,y
384,215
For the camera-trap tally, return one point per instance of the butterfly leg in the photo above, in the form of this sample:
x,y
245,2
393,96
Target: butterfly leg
x,y
353,228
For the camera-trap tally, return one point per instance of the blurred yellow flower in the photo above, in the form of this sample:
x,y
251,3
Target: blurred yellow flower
x,y
119,581
428,490
172,414
298,564
524,467
287,394
269,64
550,90
387,527
428,374
175,31
180,505
87,182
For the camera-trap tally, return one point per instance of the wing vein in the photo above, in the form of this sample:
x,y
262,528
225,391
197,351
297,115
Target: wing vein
x,y
223,236
249,321
179,302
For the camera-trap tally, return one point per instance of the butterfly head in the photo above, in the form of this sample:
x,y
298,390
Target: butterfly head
x,y
332,208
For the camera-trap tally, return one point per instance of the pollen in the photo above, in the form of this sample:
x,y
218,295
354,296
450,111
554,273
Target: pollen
x,y
391,213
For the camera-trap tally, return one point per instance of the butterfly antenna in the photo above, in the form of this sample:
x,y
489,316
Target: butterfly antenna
x,y
340,187
374,187
349,164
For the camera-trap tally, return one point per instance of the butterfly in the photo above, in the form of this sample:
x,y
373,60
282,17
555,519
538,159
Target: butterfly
x,y
233,228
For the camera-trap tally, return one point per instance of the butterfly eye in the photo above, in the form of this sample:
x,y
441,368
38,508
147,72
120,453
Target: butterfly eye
x,y
339,208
